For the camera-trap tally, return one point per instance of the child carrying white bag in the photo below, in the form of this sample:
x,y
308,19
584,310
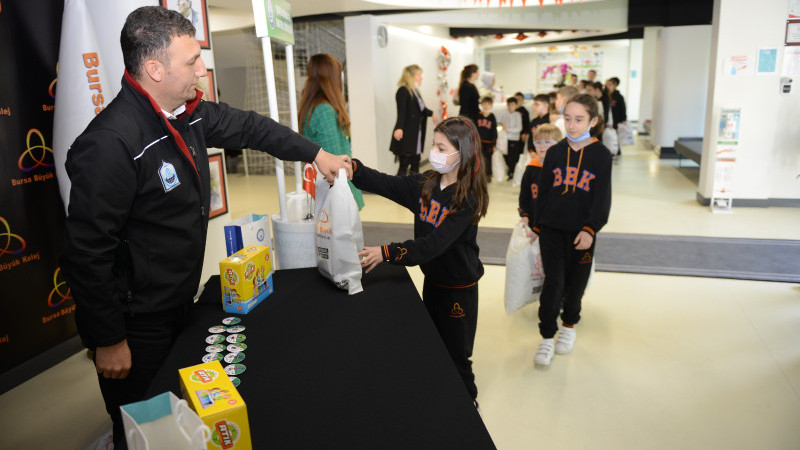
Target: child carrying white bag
x,y
339,236
524,272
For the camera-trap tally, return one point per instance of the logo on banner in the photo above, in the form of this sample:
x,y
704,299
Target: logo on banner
x,y
169,178
225,434
39,155
57,297
10,243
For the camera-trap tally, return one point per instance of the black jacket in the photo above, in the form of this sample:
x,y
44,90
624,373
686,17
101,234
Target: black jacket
x,y
411,119
574,188
617,107
529,190
445,245
526,120
135,232
487,128
469,101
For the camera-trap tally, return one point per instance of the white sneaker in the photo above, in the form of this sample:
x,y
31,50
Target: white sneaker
x,y
545,352
566,340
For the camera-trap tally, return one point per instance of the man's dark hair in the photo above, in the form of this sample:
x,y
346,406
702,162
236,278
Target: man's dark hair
x,y
512,100
614,80
487,99
147,33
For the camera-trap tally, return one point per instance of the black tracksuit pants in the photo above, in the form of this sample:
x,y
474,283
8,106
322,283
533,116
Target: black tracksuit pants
x,y
512,157
150,338
566,271
455,313
487,148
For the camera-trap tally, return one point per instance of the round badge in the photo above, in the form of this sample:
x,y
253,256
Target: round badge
x,y
216,348
236,348
231,321
234,357
235,329
216,329
235,369
236,381
215,339
235,338
212,357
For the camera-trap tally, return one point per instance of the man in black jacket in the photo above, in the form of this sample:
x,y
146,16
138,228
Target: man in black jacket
x,y
138,212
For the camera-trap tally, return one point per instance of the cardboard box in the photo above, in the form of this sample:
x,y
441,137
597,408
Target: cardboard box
x,y
211,394
246,279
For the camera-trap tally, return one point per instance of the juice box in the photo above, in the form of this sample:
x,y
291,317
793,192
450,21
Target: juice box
x,y
246,279
211,394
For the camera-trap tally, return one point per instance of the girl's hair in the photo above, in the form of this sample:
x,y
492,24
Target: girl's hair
x,y
471,187
407,78
547,131
324,85
467,72
589,103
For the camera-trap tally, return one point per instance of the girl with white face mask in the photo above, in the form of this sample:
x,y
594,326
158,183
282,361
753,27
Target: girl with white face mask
x,y
447,204
573,203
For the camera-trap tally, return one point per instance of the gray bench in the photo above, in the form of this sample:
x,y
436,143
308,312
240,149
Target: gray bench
x,y
689,147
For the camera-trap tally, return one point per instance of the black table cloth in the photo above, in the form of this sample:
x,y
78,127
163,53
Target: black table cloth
x,y
326,370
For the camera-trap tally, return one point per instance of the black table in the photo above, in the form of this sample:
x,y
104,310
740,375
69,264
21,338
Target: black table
x,y
330,371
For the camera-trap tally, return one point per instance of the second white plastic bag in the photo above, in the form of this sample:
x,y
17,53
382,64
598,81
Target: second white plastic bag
x,y
339,236
524,271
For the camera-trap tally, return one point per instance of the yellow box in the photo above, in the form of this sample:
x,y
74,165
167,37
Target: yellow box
x,y
245,279
211,394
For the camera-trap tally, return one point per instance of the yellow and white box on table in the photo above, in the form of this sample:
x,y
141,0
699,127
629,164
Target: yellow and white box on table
x,y
211,394
246,278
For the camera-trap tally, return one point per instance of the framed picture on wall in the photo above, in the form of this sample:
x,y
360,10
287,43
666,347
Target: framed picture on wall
x,y
197,12
219,197
208,85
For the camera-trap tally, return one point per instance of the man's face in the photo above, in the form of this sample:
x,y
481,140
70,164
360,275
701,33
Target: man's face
x,y
486,107
511,106
590,76
183,70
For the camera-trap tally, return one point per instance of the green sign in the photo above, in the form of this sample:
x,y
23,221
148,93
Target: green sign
x,y
274,19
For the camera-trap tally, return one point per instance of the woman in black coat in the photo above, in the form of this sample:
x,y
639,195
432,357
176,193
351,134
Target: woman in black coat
x,y
614,105
412,118
468,97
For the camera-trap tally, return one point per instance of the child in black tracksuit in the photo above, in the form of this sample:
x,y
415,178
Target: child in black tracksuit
x,y
487,129
447,204
573,205
544,137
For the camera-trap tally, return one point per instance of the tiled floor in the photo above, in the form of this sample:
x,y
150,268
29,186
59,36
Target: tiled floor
x,y
660,362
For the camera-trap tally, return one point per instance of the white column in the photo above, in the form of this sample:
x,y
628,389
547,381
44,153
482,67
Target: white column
x,y
648,77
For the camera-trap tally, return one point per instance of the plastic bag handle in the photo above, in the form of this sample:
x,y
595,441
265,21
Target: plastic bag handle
x,y
132,434
181,407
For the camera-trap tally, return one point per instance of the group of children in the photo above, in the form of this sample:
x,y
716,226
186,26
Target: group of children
x,y
565,198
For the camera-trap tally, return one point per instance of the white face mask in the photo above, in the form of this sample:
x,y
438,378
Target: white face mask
x,y
439,162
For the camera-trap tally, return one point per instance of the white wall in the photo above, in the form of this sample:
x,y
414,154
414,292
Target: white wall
x,y
681,83
375,71
515,72
648,77
768,160
634,76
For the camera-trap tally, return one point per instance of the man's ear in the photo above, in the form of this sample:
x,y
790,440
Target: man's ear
x,y
154,69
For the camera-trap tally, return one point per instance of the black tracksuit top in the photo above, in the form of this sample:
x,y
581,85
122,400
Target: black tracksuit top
x,y
135,233
444,245
574,188
487,128
529,190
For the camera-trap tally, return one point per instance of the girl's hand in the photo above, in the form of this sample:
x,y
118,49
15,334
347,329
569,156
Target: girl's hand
x,y
583,241
398,134
524,219
370,257
532,236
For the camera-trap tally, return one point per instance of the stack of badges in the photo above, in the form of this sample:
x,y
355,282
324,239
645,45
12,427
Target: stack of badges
x,y
233,343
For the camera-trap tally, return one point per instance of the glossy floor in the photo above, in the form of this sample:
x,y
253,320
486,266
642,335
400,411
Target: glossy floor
x,y
660,362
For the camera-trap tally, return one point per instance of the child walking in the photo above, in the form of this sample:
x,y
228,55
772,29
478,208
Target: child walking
x,y
544,137
573,205
447,204
512,123
487,129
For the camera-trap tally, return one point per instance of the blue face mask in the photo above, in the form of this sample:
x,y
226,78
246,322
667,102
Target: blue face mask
x,y
583,137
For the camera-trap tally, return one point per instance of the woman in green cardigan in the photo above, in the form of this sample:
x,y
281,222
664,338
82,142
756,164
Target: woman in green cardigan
x,y
323,116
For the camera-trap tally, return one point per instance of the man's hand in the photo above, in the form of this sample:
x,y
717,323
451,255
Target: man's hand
x,y
583,240
329,165
370,257
113,361
532,236
398,134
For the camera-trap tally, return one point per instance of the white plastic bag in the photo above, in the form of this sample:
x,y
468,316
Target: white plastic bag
x,y
519,170
610,140
163,421
625,134
502,142
498,167
252,229
524,271
339,236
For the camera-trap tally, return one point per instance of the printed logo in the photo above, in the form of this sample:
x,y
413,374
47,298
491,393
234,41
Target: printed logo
x,y
10,243
51,89
225,434
231,277
586,259
323,217
249,270
400,253
204,376
35,155
457,312
169,178
260,235
62,296
270,14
